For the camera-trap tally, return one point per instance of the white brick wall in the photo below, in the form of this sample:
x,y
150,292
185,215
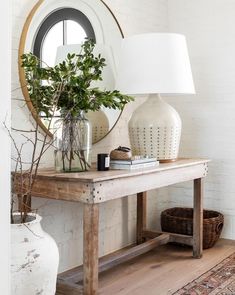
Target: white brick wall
x,y
208,117
63,220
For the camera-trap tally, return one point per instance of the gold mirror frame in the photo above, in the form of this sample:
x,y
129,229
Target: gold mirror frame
x,y
22,79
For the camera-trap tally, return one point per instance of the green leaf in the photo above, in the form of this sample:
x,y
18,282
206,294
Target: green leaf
x,y
66,87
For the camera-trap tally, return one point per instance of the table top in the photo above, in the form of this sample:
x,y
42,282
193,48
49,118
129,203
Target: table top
x,y
101,186
93,176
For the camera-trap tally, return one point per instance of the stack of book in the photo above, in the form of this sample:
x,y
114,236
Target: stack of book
x,y
134,164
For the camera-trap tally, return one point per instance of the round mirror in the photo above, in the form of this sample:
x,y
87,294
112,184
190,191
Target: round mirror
x,y
56,23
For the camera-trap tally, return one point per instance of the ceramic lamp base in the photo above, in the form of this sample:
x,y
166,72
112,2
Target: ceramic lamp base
x,y
100,125
155,130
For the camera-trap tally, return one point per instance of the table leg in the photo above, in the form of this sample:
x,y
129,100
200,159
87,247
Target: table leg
x,y
198,218
90,248
141,216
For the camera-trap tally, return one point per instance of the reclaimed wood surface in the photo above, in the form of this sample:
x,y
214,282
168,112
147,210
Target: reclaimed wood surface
x,y
90,248
176,238
198,218
101,186
96,176
141,218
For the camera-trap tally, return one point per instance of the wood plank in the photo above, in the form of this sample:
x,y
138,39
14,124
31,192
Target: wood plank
x,y
181,239
76,274
117,188
98,187
61,190
96,176
141,219
176,238
133,252
90,248
162,271
198,218
66,288
107,262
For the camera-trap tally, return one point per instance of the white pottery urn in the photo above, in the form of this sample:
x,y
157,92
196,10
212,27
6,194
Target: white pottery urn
x,y
34,259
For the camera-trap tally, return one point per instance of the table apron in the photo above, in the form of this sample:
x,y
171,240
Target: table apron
x,y
117,188
99,192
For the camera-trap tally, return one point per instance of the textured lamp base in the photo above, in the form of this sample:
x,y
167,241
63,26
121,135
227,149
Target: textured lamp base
x,y
100,125
155,130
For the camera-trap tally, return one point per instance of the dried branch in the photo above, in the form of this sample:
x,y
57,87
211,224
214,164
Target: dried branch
x,y
18,88
21,130
18,164
26,178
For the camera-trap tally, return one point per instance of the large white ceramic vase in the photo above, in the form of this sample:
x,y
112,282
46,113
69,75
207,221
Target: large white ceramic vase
x,y
34,259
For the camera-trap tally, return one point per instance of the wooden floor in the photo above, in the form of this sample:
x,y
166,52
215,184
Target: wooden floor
x,y
162,271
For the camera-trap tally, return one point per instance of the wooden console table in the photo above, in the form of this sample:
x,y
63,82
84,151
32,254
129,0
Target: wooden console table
x,y
93,187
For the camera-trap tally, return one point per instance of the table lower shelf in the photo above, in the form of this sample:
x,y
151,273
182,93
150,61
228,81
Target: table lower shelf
x,y
70,282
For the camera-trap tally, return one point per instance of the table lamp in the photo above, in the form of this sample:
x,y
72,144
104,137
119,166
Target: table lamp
x,y
155,64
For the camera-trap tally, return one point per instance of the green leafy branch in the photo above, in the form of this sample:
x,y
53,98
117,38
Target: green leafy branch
x,y
69,84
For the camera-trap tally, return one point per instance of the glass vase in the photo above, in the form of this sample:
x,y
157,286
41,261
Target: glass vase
x,y
73,141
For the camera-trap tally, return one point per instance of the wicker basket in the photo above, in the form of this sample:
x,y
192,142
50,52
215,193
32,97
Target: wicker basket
x,y
180,221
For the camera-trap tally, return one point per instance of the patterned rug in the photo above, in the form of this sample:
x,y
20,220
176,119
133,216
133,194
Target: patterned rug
x,y
218,280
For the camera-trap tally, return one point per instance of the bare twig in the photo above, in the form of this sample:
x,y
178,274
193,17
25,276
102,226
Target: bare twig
x,y
24,131
22,99
26,179
18,88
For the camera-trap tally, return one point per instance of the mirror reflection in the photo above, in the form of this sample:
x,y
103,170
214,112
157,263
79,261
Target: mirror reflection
x,y
61,27
102,120
72,34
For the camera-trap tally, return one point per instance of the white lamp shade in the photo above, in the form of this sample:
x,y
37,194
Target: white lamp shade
x,y
108,72
154,63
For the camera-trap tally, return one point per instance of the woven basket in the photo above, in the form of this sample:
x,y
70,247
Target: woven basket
x,y
180,221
